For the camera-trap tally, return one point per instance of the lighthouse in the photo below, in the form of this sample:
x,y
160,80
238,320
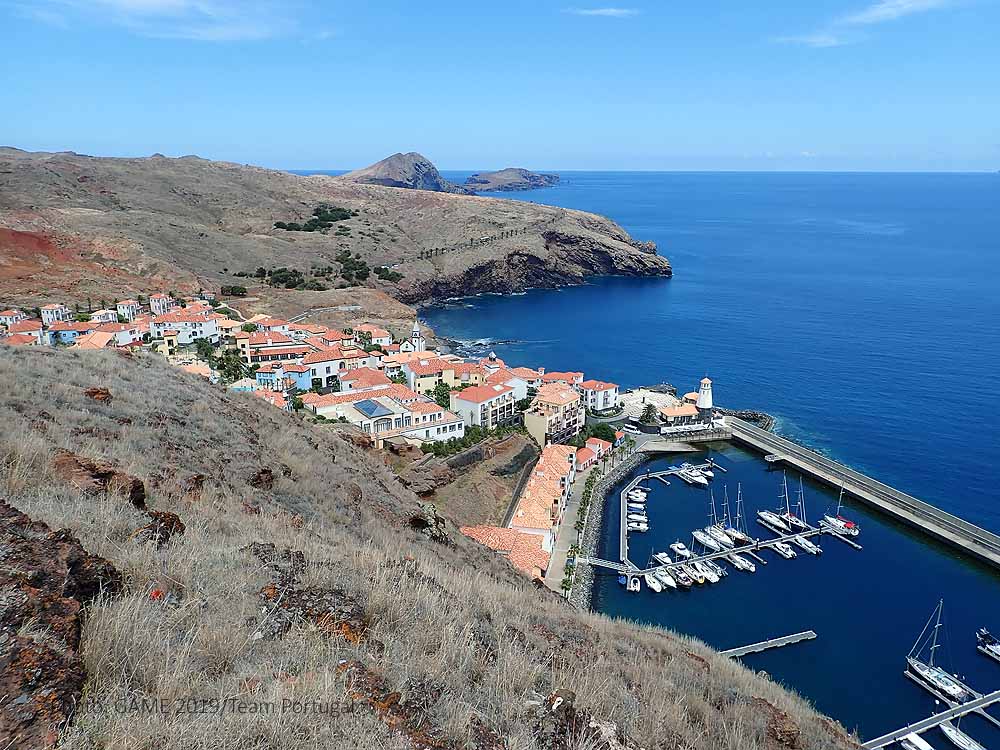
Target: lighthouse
x,y
420,344
705,398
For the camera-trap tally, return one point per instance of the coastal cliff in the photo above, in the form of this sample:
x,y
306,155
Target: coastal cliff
x,y
412,171
74,226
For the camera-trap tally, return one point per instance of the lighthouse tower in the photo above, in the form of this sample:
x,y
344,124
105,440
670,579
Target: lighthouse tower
x,y
418,340
705,398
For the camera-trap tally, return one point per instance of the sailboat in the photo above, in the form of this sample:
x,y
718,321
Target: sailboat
x,y
794,522
741,563
653,583
706,540
838,523
715,529
931,675
738,532
958,738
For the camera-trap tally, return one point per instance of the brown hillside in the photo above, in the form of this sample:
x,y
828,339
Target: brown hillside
x,y
298,567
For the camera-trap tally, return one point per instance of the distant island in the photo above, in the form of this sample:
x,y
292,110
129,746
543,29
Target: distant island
x,y
510,179
416,172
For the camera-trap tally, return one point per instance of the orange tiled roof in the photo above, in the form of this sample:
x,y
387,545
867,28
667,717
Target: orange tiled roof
x,y
557,394
604,445
25,326
523,550
18,339
583,455
399,392
479,394
365,377
597,385
95,340
555,377
684,410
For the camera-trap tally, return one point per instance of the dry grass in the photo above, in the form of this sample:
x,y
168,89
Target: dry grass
x,y
458,619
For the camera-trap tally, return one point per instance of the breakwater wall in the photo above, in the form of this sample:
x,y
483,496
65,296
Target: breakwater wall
x,y
760,418
581,594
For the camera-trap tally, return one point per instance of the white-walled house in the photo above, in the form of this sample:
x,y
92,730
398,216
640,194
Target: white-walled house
x,y
503,376
128,309
189,326
55,313
161,304
104,316
487,406
10,317
598,395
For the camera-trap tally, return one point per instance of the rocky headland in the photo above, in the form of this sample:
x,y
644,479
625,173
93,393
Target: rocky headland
x,y
510,179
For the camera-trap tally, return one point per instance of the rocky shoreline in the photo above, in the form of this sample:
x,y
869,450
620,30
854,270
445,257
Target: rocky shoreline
x,y
581,595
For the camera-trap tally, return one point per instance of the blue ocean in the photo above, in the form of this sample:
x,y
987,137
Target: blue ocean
x,y
862,311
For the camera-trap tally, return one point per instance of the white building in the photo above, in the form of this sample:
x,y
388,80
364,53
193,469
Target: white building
x,y
189,326
161,304
128,309
10,317
598,395
54,313
377,335
104,316
417,340
487,406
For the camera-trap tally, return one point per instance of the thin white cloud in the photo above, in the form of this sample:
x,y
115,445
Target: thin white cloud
x,y
604,12
200,20
890,10
845,30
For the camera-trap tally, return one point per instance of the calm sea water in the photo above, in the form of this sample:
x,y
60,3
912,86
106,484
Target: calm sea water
x,y
862,311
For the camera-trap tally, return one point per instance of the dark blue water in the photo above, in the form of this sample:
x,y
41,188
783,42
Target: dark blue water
x,y
861,310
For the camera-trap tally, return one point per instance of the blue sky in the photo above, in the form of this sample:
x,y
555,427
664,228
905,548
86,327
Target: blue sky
x,y
772,84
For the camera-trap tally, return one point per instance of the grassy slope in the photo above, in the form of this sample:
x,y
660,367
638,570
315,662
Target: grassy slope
x,y
456,619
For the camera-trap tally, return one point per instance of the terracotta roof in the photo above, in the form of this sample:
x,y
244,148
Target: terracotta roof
x,y
267,351
272,322
9,313
583,455
115,327
479,394
25,326
524,551
425,407
500,376
403,357
183,317
364,377
568,377
54,307
604,445
272,397
597,385
684,410
63,325
556,394
374,330
18,339
619,434
158,295
526,372
264,338
95,340
316,330
693,395
198,369
399,392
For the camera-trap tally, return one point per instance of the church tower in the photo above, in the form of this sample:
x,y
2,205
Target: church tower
x,y
705,397
417,338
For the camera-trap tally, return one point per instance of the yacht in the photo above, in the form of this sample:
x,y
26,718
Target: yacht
x,y
987,644
680,550
692,476
806,544
665,578
636,508
638,517
637,494
784,550
958,738
718,534
705,571
693,573
838,523
770,518
741,563
794,522
930,674
715,568
662,557
736,532
914,741
652,582
636,526
706,540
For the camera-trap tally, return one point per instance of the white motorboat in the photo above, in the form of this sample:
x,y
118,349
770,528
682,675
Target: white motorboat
x,y
653,583
914,741
958,738
741,563
709,575
638,517
665,578
930,673
702,538
772,519
693,476
987,644
680,550
784,550
662,557
636,508
639,527
681,576
806,544
636,495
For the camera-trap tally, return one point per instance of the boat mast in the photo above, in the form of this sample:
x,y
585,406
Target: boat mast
x,y
784,496
712,516
802,502
740,525
840,498
934,640
725,507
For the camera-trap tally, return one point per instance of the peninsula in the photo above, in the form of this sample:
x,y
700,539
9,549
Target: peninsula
x,y
510,179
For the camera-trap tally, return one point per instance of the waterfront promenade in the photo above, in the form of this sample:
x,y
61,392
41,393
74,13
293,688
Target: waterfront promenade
x,y
965,536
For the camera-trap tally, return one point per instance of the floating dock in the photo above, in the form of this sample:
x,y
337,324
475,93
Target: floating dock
x,y
967,537
785,640
976,706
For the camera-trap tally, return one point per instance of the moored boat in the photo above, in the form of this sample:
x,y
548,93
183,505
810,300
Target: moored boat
x,y
693,573
718,534
770,518
653,583
638,517
662,557
958,738
715,568
680,575
930,674
705,571
914,741
806,544
680,550
741,563
706,540
640,527
987,644
784,550
838,523
665,578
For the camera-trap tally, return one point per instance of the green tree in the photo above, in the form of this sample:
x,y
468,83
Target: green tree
x,y
603,431
442,395
649,414
248,327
